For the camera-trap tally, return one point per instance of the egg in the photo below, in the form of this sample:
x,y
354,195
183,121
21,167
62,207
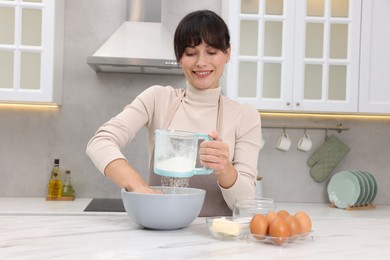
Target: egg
x,y
271,216
283,213
279,230
295,225
304,221
259,226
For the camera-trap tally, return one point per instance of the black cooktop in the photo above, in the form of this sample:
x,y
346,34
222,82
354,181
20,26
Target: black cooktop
x,y
105,205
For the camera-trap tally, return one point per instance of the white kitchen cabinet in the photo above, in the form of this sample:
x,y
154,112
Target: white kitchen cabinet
x,y
298,55
375,56
31,50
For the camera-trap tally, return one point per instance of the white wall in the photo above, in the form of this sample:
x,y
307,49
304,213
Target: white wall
x,y
30,139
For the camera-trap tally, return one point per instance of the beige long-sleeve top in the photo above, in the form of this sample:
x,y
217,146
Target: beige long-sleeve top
x,y
241,130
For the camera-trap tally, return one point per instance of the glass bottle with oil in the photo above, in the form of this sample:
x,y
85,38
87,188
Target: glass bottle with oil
x,y
54,189
67,188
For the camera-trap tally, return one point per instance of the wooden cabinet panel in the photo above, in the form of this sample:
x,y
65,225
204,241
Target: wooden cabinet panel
x,y
375,56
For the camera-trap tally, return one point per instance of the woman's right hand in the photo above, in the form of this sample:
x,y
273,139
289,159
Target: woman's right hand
x,y
147,189
125,176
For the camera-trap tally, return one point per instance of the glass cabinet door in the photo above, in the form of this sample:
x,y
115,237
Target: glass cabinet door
x,y
295,55
326,63
7,38
260,71
27,54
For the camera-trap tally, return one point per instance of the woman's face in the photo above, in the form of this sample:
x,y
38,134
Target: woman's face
x,y
203,65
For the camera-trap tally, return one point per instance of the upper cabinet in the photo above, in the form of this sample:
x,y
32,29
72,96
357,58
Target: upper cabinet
x,y
298,55
31,50
374,57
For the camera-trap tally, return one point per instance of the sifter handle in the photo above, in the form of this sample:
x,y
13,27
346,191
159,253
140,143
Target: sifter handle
x,y
203,170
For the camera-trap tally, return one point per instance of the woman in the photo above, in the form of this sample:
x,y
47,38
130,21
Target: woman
x,y
202,47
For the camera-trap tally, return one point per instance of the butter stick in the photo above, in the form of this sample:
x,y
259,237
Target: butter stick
x,y
225,226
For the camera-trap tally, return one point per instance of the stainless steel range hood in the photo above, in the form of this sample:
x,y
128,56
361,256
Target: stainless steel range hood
x,y
142,44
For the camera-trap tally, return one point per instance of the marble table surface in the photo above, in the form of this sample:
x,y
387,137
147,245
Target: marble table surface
x,y
32,228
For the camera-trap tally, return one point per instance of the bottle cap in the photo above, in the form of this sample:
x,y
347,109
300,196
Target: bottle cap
x,y
67,172
56,161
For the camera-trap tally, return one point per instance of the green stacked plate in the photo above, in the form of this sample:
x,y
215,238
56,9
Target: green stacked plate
x,y
367,189
373,186
363,189
352,189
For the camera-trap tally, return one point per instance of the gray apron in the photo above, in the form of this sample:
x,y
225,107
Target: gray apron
x,y
214,204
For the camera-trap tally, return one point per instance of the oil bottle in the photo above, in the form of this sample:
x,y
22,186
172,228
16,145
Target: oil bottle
x,y
54,189
67,188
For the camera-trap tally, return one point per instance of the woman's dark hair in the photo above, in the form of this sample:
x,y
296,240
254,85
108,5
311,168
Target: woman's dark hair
x,y
201,25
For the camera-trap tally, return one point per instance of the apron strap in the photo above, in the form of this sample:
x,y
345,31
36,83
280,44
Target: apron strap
x,y
172,110
220,115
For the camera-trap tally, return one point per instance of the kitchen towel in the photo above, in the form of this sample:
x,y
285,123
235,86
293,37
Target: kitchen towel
x,y
326,157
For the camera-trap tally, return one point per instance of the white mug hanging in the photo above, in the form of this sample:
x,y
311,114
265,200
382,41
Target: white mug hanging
x,y
304,143
284,142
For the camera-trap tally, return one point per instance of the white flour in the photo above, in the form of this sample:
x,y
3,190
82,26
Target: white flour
x,y
176,164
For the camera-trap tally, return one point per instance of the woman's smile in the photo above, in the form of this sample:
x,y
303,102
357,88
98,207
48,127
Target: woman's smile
x,y
203,73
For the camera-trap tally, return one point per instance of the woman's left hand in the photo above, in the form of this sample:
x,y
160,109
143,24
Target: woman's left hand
x,y
215,154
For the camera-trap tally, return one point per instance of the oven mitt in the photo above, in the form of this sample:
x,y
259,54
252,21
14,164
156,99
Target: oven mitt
x,y
326,157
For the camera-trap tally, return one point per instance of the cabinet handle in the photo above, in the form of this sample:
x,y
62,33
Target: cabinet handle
x,y
298,104
288,104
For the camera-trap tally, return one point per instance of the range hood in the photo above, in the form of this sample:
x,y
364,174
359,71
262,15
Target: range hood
x,y
142,44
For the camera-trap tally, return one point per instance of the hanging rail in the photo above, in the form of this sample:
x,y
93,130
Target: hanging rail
x,y
339,128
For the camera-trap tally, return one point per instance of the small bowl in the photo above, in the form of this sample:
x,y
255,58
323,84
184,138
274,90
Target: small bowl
x,y
279,241
246,208
176,208
225,228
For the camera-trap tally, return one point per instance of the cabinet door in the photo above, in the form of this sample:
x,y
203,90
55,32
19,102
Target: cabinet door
x,y
260,70
375,56
326,61
31,42
300,55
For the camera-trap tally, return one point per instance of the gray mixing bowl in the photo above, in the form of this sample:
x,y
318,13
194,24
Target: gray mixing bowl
x,y
176,208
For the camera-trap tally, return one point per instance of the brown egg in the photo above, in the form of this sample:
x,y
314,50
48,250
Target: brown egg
x,y
305,221
271,216
279,230
295,226
259,226
283,213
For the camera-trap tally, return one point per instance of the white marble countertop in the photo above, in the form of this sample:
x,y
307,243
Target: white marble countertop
x,y
32,228
34,206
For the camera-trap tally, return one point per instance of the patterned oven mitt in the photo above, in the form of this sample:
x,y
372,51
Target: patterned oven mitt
x,y
326,157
